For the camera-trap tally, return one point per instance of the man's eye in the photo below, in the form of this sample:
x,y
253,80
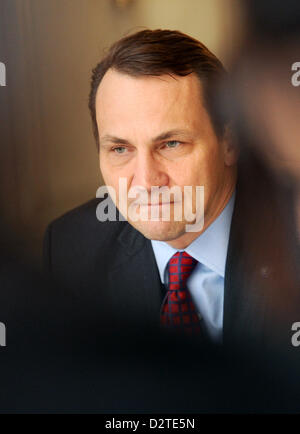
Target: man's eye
x,y
172,144
119,150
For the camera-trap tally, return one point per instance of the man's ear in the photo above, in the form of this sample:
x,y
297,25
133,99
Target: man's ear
x,y
230,148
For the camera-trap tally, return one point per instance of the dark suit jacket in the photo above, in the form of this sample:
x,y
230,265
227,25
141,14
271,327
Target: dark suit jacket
x,y
112,268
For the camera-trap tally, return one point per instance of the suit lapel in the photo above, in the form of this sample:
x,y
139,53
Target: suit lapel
x,y
134,280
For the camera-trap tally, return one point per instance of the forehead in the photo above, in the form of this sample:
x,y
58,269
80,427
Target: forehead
x,y
123,99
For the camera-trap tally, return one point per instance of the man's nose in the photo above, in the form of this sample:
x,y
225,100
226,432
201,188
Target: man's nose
x,y
148,172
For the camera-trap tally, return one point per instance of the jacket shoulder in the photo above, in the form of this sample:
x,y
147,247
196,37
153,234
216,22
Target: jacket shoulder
x,y
77,238
83,221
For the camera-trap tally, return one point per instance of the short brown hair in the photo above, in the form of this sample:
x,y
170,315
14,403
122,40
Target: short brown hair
x,y
158,52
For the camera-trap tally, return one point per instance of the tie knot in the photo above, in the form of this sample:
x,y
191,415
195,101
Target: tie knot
x,y
180,267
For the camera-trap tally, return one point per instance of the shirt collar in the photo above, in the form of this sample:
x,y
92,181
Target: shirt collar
x,y
209,248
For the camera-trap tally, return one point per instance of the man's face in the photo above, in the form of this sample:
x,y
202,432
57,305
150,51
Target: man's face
x,y
155,131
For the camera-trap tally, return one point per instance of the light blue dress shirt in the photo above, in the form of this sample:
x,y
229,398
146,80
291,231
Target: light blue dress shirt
x,y
206,283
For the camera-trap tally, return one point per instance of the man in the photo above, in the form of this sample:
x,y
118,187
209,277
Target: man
x,y
154,110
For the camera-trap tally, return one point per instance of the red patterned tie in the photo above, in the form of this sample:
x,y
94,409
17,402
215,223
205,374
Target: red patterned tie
x,y
178,310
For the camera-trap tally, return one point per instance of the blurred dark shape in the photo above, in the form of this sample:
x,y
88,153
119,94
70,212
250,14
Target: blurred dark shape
x,y
265,104
273,19
64,357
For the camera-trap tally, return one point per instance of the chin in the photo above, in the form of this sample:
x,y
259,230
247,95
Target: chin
x,y
160,231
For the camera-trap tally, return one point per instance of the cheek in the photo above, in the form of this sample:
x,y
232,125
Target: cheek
x,y
211,163
203,169
177,175
112,177
106,172
195,170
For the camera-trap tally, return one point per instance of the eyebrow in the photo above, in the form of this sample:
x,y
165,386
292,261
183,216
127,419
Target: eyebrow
x,y
163,136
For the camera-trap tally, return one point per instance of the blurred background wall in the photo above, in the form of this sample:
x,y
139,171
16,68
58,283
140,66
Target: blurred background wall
x,y
49,163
